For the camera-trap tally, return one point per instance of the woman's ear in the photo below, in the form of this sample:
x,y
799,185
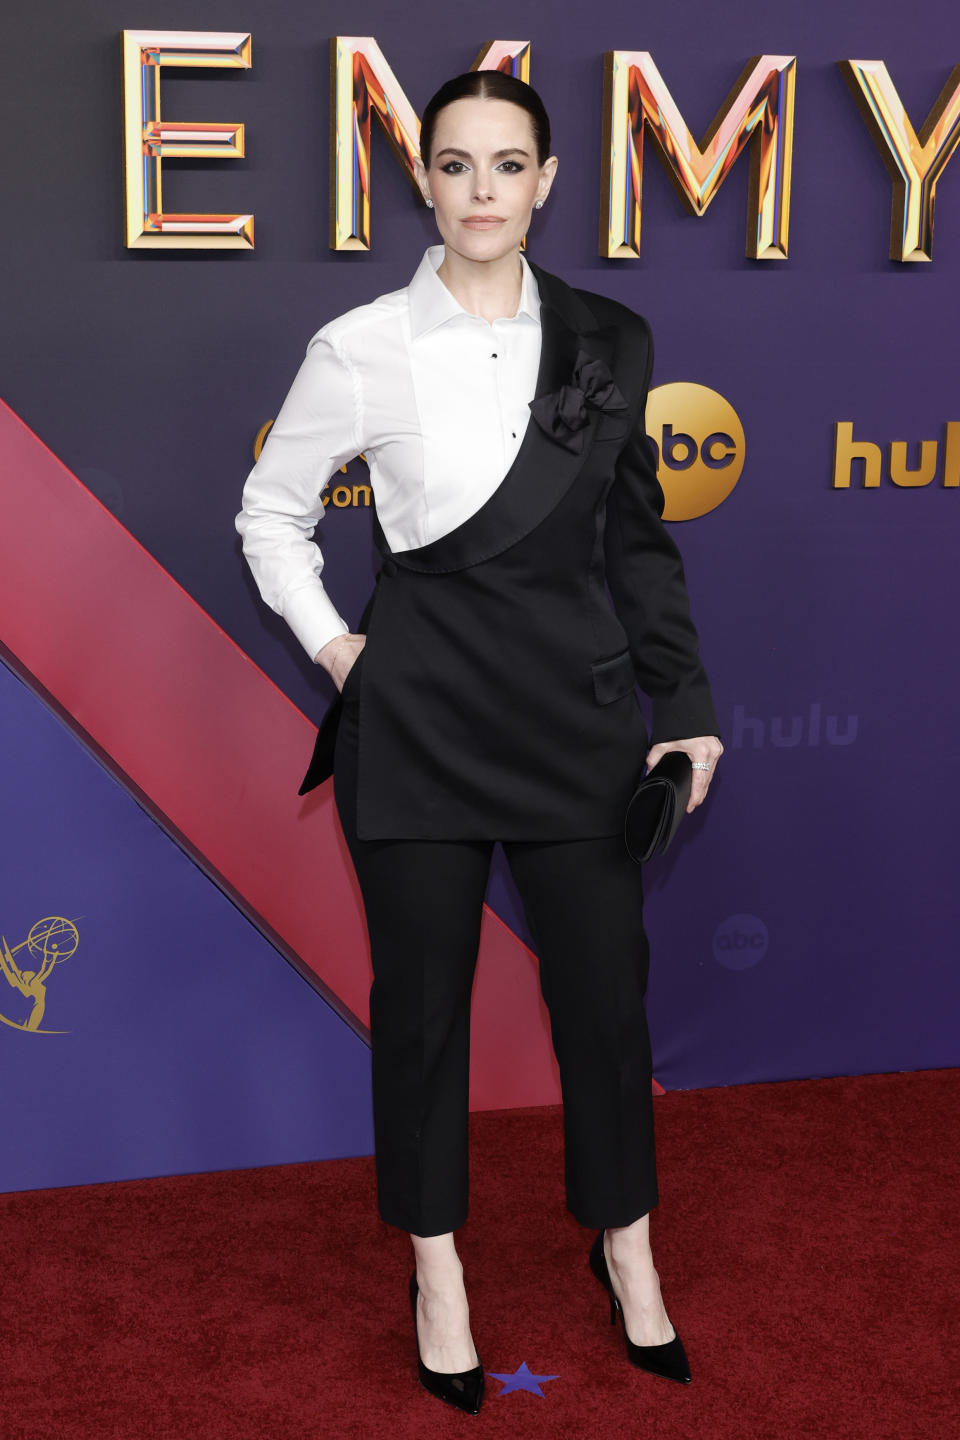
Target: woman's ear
x,y
420,175
547,171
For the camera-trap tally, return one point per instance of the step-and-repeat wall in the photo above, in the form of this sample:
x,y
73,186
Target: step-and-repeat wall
x,y
183,951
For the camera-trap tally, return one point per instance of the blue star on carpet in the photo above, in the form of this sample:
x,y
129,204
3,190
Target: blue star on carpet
x,y
521,1379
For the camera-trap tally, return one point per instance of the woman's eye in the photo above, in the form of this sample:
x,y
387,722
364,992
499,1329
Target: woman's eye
x,y
454,167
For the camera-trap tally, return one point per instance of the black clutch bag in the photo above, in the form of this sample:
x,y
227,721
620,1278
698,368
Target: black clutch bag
x,y
657,806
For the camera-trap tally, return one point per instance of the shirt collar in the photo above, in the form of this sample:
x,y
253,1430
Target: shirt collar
x,y
432,304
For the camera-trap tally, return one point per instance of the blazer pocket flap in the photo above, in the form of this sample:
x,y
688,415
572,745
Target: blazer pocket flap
x,y
614,677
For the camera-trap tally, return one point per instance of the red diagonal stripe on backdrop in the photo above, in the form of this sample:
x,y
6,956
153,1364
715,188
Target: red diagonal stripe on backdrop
x,y
182,713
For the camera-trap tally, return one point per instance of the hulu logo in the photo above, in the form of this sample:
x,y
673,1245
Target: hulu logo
x,y
786,731
936,459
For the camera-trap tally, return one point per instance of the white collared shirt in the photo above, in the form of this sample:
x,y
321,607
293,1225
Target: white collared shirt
x,y
436,399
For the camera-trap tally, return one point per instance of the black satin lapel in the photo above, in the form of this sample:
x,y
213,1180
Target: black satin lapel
x,y
558,351
542,471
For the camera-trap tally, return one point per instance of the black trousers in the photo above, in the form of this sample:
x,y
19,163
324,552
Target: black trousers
x,y
423,901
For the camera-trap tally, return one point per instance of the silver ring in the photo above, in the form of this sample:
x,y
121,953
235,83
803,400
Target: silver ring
x,y
699,765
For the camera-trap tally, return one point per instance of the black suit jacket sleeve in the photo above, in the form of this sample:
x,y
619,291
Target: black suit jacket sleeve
x,y
646,580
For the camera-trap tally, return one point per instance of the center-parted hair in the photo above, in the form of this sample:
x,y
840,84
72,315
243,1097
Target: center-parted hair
x,y
486,85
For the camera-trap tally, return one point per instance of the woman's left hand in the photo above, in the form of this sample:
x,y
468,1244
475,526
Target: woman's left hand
x,y
705,748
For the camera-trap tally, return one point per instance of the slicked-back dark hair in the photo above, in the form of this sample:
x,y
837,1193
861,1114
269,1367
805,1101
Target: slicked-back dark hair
x,y
487,85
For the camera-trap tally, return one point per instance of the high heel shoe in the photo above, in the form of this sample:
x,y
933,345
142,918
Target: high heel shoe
x,y
463,1388
670,1359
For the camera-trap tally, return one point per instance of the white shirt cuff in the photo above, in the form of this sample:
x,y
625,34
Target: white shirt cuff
x,y
313,617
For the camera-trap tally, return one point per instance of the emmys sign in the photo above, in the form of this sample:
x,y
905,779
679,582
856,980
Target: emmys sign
x,y
757,116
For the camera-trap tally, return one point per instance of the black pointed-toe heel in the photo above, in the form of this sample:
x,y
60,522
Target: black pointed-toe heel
x,y
463,1388
670,1359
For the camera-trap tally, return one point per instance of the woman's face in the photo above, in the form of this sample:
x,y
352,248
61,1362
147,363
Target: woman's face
x,y
484,177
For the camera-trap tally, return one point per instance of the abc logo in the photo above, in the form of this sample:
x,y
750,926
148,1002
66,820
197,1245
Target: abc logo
x,y
699,444
740,941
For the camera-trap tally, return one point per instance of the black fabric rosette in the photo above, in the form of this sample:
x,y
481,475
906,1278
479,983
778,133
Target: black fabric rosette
x,y
563,413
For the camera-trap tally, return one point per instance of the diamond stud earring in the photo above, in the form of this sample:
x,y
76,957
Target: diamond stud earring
x,y
429,204
538,204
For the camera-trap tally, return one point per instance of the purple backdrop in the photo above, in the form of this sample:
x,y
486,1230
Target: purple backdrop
x,y
804,923
181,1041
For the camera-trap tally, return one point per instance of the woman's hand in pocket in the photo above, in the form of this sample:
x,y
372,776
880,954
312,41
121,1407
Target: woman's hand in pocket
x,y
339,656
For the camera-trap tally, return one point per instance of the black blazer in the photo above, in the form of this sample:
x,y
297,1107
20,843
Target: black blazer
x,y
496,692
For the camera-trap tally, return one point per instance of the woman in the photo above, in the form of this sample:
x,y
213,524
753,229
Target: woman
x,y
489,691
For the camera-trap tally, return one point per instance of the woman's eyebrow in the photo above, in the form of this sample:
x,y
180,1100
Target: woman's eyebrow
x,y
497,154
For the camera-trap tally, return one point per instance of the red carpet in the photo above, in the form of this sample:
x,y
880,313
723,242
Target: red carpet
x,y
806,1242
